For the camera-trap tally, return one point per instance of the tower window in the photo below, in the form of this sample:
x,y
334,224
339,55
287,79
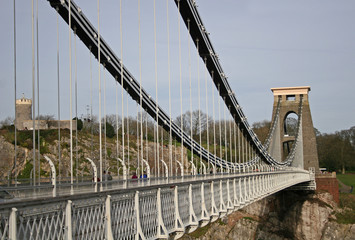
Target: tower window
x,y
290,97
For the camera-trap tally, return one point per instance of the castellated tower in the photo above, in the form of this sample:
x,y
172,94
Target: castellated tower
x,y
23,112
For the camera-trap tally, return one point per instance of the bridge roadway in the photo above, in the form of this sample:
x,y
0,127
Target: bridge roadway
x,y
46,190
141,208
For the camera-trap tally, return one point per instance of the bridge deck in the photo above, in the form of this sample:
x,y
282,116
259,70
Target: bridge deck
x,y
46,191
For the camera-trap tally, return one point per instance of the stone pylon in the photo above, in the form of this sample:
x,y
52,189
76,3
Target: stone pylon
x,y
306,155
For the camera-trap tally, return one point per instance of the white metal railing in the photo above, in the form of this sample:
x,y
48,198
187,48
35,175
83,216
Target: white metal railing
x,y
150,212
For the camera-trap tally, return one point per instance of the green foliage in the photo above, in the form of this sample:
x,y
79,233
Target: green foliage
x,y
347,179
79,123
200,231
249,218
26,172
110,130
347,216
336,151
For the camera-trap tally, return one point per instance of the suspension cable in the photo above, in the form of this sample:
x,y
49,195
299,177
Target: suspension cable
x,y
199,101
128,163
15,91
38,116
91,108
99,58
156,94
117,152
169,78
225,132
33,102
140,82
220,124
105,124
122,90
76,109
207,120
181,113
190,80
58,97
230,140
138,155
214,124
235,141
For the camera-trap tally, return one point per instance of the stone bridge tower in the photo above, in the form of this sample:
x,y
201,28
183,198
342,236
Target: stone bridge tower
x,y
284,135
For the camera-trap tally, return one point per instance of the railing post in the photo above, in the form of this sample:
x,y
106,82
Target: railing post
x,y
230,205
13,224
236,200
214,209
241,198
179,225
193,219
222,206
139,234
68,221
109,235
162,232
205,217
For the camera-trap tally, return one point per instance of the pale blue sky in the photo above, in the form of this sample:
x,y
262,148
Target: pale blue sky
x,y
261,45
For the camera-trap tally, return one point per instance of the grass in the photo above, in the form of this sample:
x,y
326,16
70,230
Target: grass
x,y
347,202
347,179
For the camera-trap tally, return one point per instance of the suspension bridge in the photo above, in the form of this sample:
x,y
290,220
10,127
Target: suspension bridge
x,y
189,177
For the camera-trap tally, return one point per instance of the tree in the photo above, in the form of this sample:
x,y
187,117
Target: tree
x,y
262,129
79,123
110,130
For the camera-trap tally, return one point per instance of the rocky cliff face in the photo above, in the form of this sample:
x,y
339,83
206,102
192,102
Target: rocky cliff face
x,y
286,215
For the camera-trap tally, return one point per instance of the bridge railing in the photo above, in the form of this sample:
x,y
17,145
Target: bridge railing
x,y
148,212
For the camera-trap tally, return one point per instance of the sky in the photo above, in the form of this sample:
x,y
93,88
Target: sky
x,y
261,45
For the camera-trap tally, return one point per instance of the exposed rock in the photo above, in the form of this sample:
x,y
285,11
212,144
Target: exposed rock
x,y
285,215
